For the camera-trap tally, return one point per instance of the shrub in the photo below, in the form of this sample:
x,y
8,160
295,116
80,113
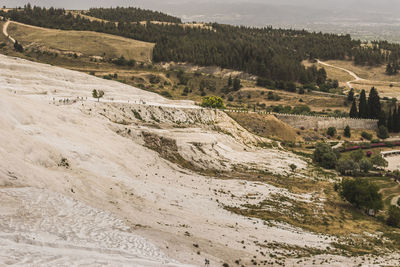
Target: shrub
x,y
394,216
325,156
154,79
331,131
366,135
301,109
361,193
347,167
379,161
347,131
166,94
357,155
293,167
365,165
383,132
213,102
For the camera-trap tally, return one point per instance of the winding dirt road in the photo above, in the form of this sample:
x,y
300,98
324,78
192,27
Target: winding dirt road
x,y
355,76
5,27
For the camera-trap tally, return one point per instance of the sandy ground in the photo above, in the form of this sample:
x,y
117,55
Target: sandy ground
x,y
117,202
393,162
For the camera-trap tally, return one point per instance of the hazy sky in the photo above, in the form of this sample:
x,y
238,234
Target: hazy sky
x,y
336,4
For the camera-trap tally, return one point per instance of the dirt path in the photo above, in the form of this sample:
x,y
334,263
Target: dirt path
x,y
5,27
355,76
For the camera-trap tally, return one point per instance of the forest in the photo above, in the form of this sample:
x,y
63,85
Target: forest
x,y
271,54
130,14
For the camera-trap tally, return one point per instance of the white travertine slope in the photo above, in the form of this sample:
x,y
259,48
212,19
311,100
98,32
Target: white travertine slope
x,y
115,189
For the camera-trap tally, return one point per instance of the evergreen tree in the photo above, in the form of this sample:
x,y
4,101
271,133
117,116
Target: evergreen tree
x,y
363,105
347,131
350,95
230,81
390,121
321,76
236,84
353,110
382,119
374,104
395,121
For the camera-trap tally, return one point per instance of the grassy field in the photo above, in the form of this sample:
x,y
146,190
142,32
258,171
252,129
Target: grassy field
x,y
81,42
333,73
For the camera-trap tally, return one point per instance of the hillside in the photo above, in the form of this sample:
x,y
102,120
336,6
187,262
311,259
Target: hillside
x,y
82,43
165,170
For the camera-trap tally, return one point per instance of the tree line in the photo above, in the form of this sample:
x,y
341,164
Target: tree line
x,y
373,108
272,54
130,14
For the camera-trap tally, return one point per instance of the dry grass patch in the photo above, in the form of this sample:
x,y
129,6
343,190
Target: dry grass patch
x,y
81,42
266,126
366,72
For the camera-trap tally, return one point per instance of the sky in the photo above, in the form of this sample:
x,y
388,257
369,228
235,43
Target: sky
x,y
364,19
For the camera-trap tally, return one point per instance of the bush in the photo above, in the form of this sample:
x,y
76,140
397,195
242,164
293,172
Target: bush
x,y
357,155
154,79
166,94
366,135
361,193
301,109
293,167
347,131
394,216
325,156
347,167
365,165
383,132
331,131
213,102
379,161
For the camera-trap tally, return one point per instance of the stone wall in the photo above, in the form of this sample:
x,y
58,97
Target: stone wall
x,y
311,122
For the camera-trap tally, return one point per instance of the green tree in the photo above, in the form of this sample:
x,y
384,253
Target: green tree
x,y
361,193
97,94
350,95
383,132
366,135
347,131
236,84
321,76
347,167
230,82
379,161
357,155
365,165
213,102
363,105
331,131
353,110
374,104
394,216
324,156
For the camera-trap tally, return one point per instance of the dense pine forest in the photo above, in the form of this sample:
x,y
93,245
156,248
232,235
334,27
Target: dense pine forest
x,y
271,54
130,14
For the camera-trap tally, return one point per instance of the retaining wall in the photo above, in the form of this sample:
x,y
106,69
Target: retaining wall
x,y
311,122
